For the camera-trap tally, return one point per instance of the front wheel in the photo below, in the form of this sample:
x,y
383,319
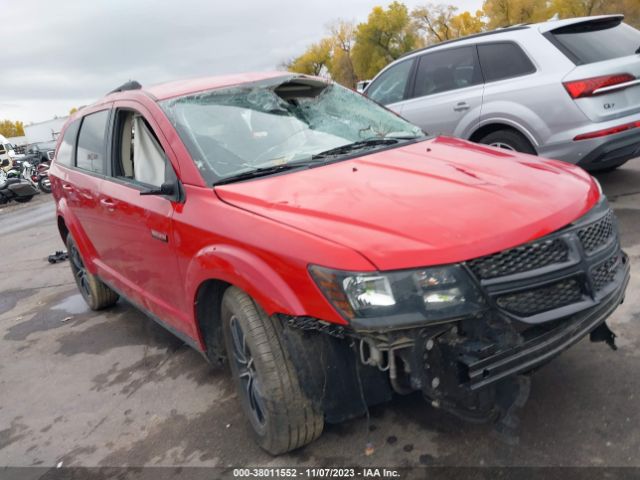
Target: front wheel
x,y
508,140
280,414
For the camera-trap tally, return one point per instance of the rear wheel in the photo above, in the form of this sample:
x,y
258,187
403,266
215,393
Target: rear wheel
x,y
508,140
44,184
97,295
281,416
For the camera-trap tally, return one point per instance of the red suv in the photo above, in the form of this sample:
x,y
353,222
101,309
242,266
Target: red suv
x,y
330,251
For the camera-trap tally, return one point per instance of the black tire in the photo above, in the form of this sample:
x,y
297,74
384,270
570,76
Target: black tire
x,y
509,140
97,295
24,199
44,184
281,416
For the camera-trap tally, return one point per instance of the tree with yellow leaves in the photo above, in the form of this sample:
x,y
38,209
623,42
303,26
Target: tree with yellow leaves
x,y
340,66
505,13
585,8
385,36
314,61
440,22
11,129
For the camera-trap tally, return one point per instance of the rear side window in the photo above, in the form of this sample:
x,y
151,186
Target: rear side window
x,y
65,151
91,142
596,41
503,60
447,70
390,86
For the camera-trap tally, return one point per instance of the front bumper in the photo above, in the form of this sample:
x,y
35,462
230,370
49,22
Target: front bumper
x,y
541,299
539,350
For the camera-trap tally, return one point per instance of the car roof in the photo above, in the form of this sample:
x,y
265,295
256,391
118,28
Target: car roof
x,y
178,88
163,91
542,27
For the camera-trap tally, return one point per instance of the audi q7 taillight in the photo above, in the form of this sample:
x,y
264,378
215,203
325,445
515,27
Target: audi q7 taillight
x,y
597,85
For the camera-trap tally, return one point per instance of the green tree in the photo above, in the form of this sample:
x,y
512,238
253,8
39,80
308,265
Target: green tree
x,y
11,129
384,37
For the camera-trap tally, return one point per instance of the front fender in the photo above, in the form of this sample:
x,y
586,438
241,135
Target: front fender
x,y
246,271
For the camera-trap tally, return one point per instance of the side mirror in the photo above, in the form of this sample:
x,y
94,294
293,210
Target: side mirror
x,y
167,189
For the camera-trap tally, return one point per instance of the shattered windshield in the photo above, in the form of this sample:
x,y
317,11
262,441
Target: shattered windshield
x,y
298,121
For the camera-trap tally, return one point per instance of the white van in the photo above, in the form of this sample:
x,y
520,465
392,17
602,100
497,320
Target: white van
x,y
7,151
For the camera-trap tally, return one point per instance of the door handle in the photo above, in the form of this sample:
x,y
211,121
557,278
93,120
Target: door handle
x,y
108,204
461,107
67,187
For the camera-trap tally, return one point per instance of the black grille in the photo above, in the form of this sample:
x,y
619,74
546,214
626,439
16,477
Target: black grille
x,y
604,273
597,234
549,297
520,259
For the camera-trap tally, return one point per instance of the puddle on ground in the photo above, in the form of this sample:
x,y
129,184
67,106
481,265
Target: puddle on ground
x,y
73,305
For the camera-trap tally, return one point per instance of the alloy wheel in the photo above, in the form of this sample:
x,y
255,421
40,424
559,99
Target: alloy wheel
x,y
80,272
502,145
246,371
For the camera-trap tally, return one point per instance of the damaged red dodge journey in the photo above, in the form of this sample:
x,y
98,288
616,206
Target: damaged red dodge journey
x,y
329,251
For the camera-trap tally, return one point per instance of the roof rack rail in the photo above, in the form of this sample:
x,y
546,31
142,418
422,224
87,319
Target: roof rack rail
x,y
510,28
130,85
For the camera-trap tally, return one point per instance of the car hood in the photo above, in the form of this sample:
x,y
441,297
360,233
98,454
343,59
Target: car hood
x,y
433,202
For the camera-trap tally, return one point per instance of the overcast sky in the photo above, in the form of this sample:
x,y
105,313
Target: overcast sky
x,y
61,54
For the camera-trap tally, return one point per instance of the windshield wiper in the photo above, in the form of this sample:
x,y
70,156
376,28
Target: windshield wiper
x,y
260,172
350,147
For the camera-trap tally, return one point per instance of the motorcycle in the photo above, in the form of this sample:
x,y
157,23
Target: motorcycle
x,y
13,185
40,176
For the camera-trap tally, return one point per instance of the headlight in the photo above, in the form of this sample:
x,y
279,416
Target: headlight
x,y
425,294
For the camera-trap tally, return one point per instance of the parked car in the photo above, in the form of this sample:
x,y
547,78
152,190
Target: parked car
x,y
40,152
566,89
362,85
329,251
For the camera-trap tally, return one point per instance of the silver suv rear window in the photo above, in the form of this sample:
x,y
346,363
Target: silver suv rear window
x,y
597,40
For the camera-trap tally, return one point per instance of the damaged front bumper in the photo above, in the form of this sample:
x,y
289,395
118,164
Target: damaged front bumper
x,y
541,298
540,349
467,366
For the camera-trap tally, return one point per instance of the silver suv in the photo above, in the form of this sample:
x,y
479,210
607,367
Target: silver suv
x,y
567,89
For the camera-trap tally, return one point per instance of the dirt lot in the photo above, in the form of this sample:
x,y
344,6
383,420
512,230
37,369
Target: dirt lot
x,y
115,389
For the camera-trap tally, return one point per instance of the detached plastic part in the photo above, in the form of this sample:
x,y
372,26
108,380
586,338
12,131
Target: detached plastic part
x,y
604,334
